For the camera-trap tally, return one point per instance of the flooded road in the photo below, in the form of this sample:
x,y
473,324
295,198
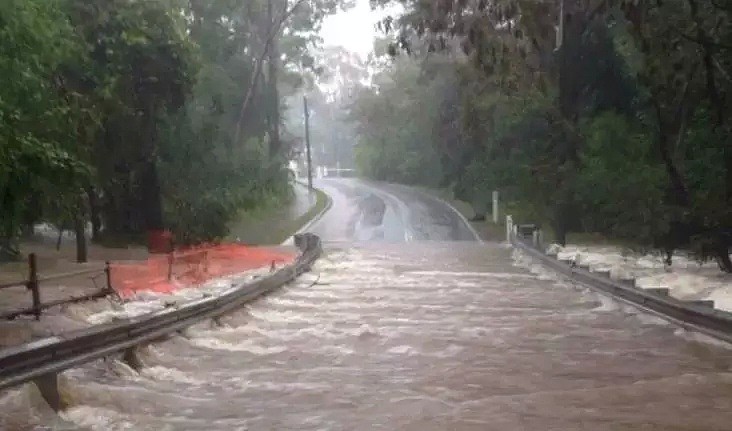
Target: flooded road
x,y
410,335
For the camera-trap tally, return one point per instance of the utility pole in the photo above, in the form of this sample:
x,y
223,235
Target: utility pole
x,y
337,156
335,132
307,142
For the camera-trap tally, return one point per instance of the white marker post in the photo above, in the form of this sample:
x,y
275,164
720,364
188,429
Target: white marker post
x,y
509,228
495,207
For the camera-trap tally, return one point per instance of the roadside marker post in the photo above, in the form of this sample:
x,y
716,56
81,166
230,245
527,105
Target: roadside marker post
x,y
495,207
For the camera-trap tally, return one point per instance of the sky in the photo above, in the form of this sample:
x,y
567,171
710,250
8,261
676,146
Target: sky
x,y
354,29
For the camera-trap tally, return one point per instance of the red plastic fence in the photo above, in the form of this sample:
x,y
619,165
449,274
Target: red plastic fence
x,y
164,273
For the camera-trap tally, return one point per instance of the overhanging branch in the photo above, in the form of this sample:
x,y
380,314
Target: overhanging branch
x,y
258,66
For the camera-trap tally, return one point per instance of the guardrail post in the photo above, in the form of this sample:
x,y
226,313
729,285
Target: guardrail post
x,y
33,284
47,385
131,358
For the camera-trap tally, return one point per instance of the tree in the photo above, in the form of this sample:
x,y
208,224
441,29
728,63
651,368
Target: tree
x,y
235,155
37,127
620,128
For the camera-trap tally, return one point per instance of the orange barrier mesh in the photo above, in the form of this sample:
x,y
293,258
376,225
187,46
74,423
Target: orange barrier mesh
x,y
164,273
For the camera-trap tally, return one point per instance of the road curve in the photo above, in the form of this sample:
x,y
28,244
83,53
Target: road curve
x,y
365,211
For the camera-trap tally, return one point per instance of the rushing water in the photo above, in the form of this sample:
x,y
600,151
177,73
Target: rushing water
x,y
430,336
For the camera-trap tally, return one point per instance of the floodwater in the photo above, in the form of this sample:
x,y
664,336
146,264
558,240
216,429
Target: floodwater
x,y
417,335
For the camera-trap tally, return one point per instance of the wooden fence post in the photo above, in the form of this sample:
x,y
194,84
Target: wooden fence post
x,y
108,273
33,284
171,261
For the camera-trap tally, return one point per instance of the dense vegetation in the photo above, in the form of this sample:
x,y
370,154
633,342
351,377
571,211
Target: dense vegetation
x,y
620,125
144,115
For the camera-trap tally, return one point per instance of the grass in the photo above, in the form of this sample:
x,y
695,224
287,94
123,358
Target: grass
x,y
287,229
487,230
521,213
273,224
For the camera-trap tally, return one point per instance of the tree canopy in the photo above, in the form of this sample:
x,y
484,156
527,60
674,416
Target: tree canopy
x,y
146,115
589,115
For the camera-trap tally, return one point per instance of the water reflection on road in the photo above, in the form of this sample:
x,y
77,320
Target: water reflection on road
x,y
372,212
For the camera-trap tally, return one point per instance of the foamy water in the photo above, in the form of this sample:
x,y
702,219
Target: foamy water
x,y
439,337
686,278
148,302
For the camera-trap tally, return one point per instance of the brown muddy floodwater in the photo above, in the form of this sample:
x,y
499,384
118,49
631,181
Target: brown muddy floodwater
x,y
416,336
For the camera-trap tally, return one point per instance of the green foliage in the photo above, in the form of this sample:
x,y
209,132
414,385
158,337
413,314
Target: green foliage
x,y
140,67
623,130
395,120
37,126
620,184
124,111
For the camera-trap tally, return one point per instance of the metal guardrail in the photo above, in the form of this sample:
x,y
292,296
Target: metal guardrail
x,y
54,354
715,323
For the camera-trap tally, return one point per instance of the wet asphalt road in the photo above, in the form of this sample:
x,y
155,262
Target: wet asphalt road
x,y
407,323
363,211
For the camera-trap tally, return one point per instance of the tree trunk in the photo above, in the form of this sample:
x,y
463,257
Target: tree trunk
x,y
198,8
560,233
272,33
725,264
27,230
9,250
94,212
60,236
274,102
677,182
570,92
721,252
31,215
80,231
152,203
275,143
562,216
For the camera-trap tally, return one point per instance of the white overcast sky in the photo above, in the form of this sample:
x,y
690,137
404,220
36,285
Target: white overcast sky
x,y
354,29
